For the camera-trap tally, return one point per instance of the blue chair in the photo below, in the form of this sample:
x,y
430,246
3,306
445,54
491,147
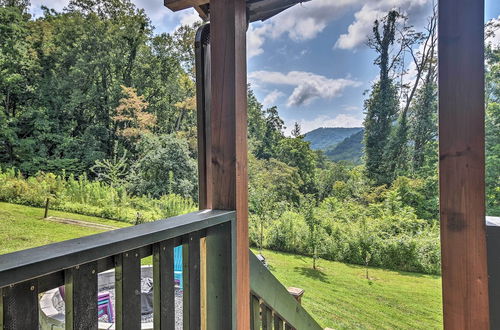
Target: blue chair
x,y
178,265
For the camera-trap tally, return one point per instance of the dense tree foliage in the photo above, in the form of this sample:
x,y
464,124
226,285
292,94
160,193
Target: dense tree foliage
x,y
65,77
493,130
382,105
97,113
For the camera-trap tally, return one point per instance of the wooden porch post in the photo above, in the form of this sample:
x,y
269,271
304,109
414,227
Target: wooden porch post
x,y
462,161
229,136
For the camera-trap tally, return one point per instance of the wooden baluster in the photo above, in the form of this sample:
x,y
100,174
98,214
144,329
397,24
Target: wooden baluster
x,y
1,309
278,322
128,290
194,281
164,285
255,321
20,306
186,291
267,317
219,279
80,299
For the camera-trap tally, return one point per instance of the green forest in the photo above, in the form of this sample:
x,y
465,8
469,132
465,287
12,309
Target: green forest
x,y
98,115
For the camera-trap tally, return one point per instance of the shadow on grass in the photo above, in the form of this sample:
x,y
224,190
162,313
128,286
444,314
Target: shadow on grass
x,y
398,272
315,274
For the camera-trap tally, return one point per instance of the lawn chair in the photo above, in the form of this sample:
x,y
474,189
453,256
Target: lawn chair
x,y
104,306
178,265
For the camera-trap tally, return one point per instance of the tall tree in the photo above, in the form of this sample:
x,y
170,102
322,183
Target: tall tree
x,y
296,131
17,76
419,98
273,134
382,105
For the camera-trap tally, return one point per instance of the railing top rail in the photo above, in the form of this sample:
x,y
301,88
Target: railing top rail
x,y
28,264
265,286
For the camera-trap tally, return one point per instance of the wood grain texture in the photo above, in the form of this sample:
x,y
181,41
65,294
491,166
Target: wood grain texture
x,y
163,282
219,277
194,281
20,306
81,297
255,314
176,5
267,317
462,161
128,291
229,134
203,97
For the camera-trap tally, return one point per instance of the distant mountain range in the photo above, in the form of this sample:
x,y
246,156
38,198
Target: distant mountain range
x,y
338,143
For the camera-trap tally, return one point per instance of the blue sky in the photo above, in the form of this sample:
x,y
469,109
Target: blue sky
x,y
312,60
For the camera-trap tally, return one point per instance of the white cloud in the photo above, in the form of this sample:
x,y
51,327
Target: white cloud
x,y
53,4
272,97
358,32
351,108
301,22
308,86
305,21
341,120
255,40
189,17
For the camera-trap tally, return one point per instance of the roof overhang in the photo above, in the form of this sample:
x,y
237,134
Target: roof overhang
x,y
258,10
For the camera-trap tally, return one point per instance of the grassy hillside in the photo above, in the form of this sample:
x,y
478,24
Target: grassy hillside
x,y
23,227
324,138
340,297
351,149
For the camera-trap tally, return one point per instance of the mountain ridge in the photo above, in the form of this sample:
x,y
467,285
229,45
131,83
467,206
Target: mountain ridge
x,y
324,138
338,143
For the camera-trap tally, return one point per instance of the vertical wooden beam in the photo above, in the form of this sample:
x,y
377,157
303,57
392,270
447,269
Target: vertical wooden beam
x,y
186,283
229,134
194,281
163,282
128,290
267,317
81,297
462,160
203,97
20,306
219,279
255,314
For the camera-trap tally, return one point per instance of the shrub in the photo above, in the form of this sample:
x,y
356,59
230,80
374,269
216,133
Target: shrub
x,y
94,198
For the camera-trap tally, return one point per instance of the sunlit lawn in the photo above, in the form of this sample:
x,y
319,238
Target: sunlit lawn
x,y
340,297
23,227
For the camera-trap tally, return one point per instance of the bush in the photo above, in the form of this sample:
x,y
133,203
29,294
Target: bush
x,y
389,232
94,198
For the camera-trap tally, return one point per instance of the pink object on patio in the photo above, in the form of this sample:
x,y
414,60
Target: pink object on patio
x,y
104,305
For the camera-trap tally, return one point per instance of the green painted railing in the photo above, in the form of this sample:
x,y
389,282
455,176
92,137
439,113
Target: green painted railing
x,y
76,264
272,306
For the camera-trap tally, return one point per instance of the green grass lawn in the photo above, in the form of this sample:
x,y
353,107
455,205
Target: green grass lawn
x,y
23,227
340,297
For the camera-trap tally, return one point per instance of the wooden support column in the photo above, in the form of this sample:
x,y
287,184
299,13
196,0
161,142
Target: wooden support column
x,y
462,161
229,136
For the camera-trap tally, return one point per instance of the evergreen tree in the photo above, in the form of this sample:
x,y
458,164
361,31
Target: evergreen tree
x,y
273,134
296,132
